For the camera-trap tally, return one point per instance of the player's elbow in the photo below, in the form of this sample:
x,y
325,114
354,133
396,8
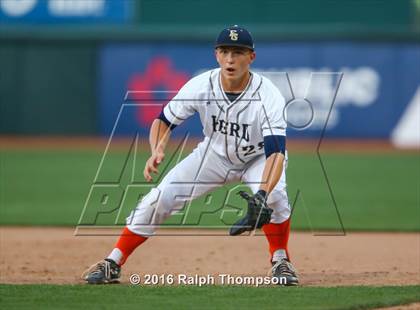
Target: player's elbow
x,y
165,121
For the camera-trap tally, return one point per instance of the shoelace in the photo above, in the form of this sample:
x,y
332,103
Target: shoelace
x,y
101,266
283,267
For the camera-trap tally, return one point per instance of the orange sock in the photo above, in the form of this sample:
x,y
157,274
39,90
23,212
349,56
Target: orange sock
x,y
277,236
127,243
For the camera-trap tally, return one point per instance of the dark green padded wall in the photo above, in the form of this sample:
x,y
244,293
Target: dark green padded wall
x,y
389,13
47,88
48,73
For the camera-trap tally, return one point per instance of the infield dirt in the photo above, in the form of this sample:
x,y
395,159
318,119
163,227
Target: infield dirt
x,y
57,256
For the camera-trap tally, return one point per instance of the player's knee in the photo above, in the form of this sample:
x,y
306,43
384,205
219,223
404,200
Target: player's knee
x,y
279,216
146,215
278,197
280,205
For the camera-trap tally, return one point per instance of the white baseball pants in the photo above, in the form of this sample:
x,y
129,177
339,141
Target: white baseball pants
x,y
199,173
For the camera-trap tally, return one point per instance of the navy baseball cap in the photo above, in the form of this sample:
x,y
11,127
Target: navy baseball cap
x,y
235,36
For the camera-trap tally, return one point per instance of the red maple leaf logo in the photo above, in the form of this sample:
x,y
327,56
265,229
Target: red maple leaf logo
x,y
159,75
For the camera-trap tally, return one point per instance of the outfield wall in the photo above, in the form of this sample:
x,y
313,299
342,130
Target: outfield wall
x,y
66,65
48,88
78,88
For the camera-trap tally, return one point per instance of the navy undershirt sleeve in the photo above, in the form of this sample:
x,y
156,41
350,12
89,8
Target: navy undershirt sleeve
x,y
163,118
274,144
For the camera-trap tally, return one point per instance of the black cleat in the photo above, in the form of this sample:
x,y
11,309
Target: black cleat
x,y
103,272
284,271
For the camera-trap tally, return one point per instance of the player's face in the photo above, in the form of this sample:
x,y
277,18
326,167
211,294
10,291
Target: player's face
x,y
234,61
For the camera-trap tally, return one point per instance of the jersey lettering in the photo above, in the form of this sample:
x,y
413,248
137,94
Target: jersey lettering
x,y
231,128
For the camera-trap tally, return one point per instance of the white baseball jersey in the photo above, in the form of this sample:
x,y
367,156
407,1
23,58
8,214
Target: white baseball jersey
x,y
235,130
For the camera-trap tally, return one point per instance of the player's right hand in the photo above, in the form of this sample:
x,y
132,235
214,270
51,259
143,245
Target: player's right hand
x,y
152,163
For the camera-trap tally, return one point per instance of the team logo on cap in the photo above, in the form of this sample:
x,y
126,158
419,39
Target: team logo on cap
x,y
233,35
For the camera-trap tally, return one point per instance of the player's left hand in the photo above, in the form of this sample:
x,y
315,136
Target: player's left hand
x,y
258,214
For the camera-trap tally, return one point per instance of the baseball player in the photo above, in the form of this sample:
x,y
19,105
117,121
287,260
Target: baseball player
x,y
245,140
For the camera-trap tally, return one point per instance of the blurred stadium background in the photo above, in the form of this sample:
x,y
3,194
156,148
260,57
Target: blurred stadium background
x,y
66,66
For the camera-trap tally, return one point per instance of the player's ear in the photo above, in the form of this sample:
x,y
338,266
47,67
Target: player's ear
x,y
253,55
216,54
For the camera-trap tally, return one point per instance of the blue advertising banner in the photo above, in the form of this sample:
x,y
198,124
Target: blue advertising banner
x,y
65,11
373,83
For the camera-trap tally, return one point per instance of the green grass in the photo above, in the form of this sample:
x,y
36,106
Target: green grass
x,y
372,191
209,297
